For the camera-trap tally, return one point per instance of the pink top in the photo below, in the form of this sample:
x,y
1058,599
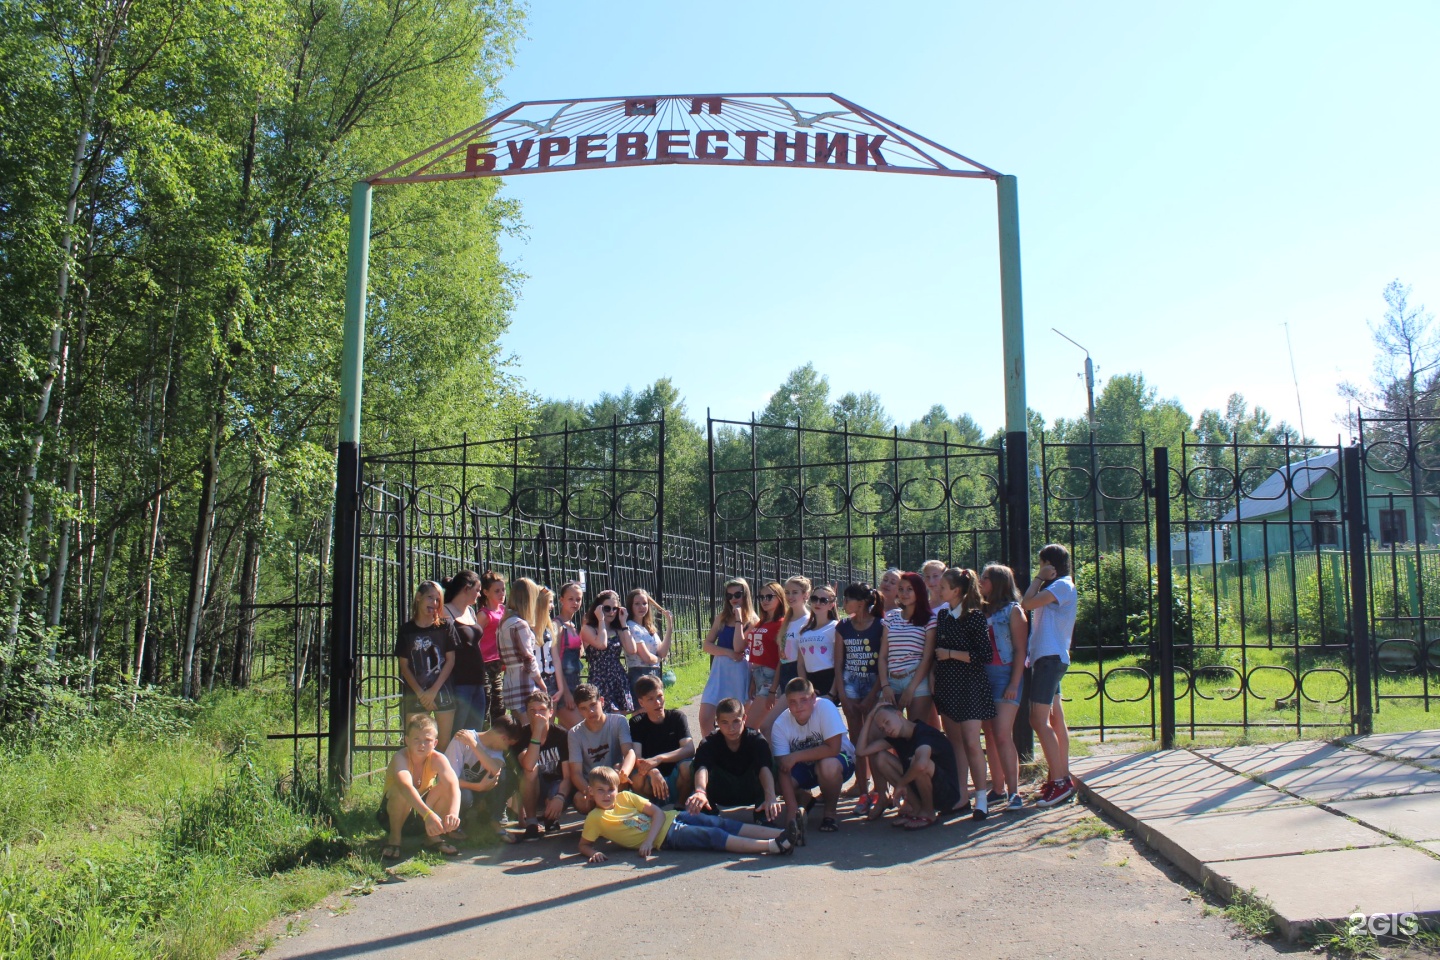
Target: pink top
x,y
571,635
491,620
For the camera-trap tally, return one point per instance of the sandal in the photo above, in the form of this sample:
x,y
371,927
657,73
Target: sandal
x,y
391,851
785,845
919,823
878,808
444,848
829,825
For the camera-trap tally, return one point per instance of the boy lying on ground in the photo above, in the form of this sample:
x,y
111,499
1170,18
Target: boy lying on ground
x,y
630,821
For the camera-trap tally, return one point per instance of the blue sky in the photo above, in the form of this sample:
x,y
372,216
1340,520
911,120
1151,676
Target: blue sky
x,y
1190,179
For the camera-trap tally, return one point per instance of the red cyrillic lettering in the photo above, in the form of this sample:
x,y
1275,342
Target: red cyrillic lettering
x,y
704,151
672,143
800,146
827,146
868,148
585,147
631,146
478,158
752,142
700,104
519,155
552,147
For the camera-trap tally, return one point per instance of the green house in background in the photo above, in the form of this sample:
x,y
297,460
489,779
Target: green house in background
x,y
1306,512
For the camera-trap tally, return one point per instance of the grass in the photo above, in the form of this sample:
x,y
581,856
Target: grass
x,y
1218,702
1252,913
690,678
168,834
1086,828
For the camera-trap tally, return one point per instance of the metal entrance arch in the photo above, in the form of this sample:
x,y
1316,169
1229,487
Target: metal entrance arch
x,y
799,130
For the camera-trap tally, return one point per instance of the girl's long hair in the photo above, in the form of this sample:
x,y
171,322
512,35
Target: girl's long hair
x,y
591,618
521,597
1003,590
747,606
921,616
968,583
812,623
871,597
429,586
649,622
543,599
782,606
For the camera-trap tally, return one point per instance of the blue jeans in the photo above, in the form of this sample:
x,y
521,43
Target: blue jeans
x,y
700,831
470,707
570,666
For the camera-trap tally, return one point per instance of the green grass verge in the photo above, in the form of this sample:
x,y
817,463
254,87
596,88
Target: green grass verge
x,y
168,831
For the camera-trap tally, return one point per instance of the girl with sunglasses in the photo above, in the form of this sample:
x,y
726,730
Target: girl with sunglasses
x,y
797,598
764,653
817,643
606,639
726,643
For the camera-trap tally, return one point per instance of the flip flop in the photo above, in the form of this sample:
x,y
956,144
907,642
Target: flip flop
x,y
878,808
443,848
829,825
391,851
919,823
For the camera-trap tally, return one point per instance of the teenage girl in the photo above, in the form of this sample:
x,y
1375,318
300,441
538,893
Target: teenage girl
x,y
962,688
462,592
426,650
650,648
862,635
817,642
1009,636
606,639
726,643
566,647
890,588
516,638
909,649
765,641
492,614
797,598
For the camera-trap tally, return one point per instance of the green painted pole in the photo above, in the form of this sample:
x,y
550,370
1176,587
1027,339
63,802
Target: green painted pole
x,y
1017,449
343,635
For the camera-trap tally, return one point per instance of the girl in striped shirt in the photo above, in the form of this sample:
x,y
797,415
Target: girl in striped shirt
x,y
908,649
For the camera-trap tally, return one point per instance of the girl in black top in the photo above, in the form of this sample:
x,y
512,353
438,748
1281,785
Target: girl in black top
x,y
462,591
862,635
962,688
426,650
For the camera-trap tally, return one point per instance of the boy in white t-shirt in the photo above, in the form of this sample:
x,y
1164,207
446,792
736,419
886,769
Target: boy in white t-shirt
x,y
1053,598
811,748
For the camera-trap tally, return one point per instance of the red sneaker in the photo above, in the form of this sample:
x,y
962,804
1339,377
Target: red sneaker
x,y
1064,790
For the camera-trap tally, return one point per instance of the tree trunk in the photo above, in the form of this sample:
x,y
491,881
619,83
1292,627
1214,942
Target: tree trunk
x,y
200,553
249,582
100,610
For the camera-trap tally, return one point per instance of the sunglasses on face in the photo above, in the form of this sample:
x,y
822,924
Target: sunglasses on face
x,y
822,600
766,597
609,609
734,596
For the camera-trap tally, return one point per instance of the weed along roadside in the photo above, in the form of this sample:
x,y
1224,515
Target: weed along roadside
x,y
168,830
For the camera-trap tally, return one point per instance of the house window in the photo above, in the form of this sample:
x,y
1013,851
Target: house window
x,y
1392,527
1327,527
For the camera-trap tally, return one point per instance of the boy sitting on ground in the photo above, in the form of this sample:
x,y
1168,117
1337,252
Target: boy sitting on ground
x,y
733,767
630,821
420,787
487,781
542,770
922,769
812,749
599,739
662,738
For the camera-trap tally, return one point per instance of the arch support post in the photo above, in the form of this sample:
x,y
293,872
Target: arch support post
x,y
343,646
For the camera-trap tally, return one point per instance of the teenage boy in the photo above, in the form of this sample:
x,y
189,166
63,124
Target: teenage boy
x,y
662,739
630,821
600,739
419,785
1052,598
733,767
922,769
487,782
812,749
542,766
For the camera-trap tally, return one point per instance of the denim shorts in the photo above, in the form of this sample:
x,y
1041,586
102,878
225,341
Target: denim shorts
x,y
700,831
804,773
763,678
859,685
999,674
1045,676
901,684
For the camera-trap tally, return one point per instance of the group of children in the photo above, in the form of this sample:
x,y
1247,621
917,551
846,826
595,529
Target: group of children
x,y
913,694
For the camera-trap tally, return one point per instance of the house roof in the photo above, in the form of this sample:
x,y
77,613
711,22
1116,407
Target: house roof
x,y
1274,495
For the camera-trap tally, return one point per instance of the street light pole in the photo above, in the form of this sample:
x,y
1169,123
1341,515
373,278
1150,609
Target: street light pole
x,y
1101,538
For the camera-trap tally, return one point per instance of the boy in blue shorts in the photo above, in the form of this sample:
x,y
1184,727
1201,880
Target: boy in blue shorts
x,y
1051,601
630,821
812,749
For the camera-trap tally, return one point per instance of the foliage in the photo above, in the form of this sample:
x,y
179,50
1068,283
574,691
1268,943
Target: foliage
x,y
174,185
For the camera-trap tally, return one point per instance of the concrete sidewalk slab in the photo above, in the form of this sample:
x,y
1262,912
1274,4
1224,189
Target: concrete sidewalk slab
x,y
1318,890
1276,757
1179,784
1355,779
1433,846
1190,842
1416,745
1414,817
